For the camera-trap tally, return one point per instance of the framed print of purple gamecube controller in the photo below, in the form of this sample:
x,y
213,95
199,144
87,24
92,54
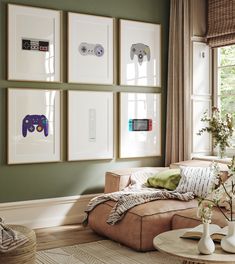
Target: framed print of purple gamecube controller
x,y
34,125
31,121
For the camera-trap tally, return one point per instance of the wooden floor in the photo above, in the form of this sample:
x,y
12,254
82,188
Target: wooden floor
x,y
61,236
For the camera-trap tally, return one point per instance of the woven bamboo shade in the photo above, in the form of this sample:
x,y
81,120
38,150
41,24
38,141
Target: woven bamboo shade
x,y
221,23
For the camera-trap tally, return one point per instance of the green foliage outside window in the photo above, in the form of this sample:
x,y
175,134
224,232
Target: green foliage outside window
x,y
226,81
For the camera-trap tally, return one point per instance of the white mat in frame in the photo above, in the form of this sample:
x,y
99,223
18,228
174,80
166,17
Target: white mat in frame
x,y
34,125
34,44
90,125
90,49
140,53
140,125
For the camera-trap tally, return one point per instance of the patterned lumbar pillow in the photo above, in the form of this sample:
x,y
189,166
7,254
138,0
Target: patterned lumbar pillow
x,y
198,180
167,179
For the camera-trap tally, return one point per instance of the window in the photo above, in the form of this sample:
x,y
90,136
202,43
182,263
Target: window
x,y
225,83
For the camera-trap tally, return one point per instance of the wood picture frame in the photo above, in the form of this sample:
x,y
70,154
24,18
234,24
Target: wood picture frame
x,y
140,125
90,125
90,49
34,125
34,44
140,53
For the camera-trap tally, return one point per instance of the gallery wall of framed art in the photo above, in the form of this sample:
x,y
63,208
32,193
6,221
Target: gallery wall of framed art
x,y
35,55
68,178
34,125
34,44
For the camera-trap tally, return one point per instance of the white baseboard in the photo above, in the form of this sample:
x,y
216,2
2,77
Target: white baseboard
x,y
46,212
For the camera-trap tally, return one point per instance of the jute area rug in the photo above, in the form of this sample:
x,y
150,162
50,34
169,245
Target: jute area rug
x,y
101,252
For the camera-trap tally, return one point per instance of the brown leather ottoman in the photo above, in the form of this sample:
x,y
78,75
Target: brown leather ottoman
x,y
140,224
189,219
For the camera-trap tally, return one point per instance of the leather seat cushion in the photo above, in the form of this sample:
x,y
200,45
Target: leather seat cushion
x,y
140,224
189,219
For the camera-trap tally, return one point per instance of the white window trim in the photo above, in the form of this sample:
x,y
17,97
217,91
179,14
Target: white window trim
x,y
229,151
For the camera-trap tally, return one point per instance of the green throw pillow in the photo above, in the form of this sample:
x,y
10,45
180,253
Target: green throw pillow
x,y
167,179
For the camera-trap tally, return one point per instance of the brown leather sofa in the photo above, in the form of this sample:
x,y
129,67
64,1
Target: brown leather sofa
x,y
143,222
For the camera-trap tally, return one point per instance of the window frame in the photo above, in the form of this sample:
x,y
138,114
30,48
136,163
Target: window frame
x,y
230,151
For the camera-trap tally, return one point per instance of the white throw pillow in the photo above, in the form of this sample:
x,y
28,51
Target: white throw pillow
x,y
198,180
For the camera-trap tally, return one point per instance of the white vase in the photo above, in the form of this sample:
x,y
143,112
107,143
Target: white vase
x,y
228,242
206,245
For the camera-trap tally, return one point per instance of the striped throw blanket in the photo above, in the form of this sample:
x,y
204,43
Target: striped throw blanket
x,y
9,238
126,200
133,195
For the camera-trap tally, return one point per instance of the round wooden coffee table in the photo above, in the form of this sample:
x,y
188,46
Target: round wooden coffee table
x,y
186,249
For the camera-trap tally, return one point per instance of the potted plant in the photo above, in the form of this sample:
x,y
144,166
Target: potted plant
x,y
221,129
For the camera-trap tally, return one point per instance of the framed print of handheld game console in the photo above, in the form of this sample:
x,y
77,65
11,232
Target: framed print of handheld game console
x,y
140,125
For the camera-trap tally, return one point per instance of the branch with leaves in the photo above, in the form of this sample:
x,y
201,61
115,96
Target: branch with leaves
x,y
224,192
220,128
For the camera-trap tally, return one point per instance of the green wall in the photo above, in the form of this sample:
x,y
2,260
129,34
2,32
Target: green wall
x,y
36,181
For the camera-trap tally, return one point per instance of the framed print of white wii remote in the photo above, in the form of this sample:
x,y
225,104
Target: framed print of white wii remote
x,y
90,49
34,48
90,125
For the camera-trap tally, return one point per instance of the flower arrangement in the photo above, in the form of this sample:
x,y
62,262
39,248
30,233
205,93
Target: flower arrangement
x,y
205,212
224,192
220,128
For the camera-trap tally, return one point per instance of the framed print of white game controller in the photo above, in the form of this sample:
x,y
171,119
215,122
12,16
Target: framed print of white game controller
x,y
140,53
34,44
90,49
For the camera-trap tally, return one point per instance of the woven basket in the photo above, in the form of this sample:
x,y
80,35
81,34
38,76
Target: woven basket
x,y
24,254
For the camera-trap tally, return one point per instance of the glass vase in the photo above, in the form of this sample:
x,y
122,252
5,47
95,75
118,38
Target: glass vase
x,y
221,151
